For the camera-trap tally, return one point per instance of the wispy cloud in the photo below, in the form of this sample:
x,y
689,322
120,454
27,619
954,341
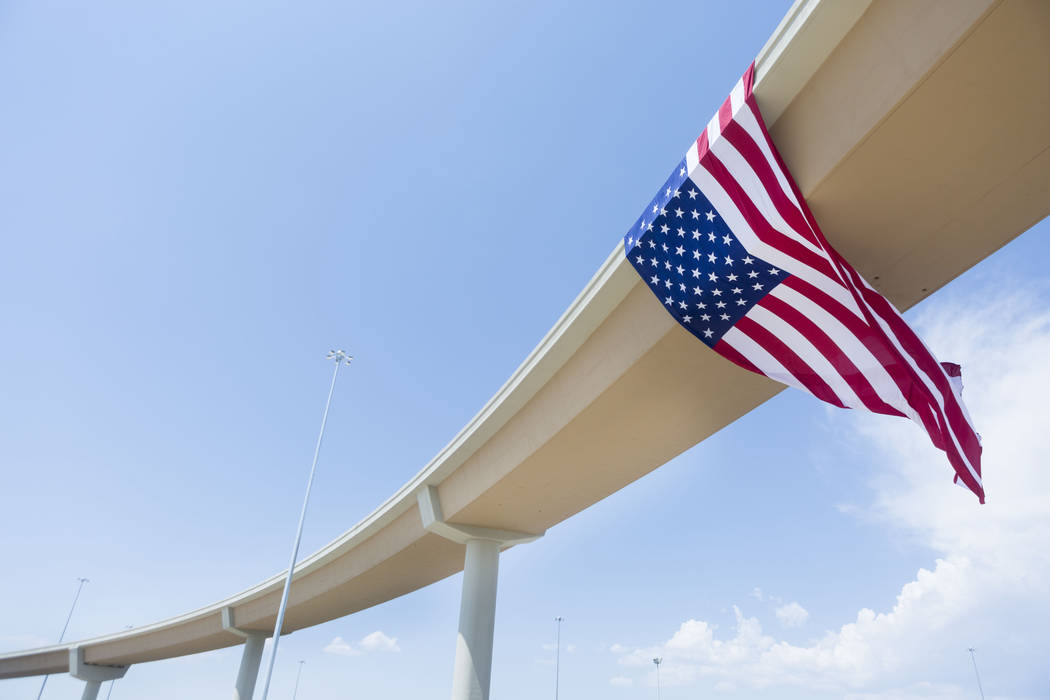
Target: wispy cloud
x,y
341,647
377,641
374,642
792,615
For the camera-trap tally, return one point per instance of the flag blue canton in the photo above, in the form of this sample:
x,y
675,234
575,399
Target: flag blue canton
x,y
693,263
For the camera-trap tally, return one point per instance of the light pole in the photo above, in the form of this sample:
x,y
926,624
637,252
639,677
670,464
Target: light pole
x,y
658,660
297,674
557,654
339,356
974,659
69,617
110,693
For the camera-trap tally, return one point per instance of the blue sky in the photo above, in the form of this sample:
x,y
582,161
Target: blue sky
x,y
199,201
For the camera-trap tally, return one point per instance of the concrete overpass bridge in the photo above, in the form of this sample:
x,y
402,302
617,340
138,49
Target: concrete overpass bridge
x,y
939,108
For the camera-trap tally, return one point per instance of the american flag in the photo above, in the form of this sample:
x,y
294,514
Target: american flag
x,y
731,249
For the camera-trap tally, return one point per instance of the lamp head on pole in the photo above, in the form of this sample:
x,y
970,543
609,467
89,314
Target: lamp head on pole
x,y
339,356
658,661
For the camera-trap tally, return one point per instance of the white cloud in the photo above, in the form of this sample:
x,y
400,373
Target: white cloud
x,y
376,641
340,647
792,615
620,681
990,566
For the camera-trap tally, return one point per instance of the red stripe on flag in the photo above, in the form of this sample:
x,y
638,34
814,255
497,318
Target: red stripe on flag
x,y
702,146
832,352
733,355
746,146
790,360
749,80
725,114
927,364
917,397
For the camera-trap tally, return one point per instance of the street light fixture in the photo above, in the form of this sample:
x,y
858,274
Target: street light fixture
x,y
974,659
298,673
69,617
340,357
658,660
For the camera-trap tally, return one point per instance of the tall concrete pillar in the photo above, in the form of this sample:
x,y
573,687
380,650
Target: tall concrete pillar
x,y
472,671
477,618
248,671
90,690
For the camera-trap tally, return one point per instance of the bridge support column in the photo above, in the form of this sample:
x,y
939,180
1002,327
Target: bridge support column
x,y
472,670
93,675
248,671
91,689
477,619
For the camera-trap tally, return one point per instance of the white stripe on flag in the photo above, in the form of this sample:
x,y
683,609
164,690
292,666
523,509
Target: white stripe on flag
x,y
851,346
809,353
714,130
746,119
760,358
736,97
692,157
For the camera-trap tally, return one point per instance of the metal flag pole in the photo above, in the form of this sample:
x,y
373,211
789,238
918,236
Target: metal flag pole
x,y
69,617
557,655
339,356
974,659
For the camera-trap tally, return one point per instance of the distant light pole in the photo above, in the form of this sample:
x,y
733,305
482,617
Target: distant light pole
x,y
339,356
297,674
658,660
69,617
557,654
110,693
974,659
